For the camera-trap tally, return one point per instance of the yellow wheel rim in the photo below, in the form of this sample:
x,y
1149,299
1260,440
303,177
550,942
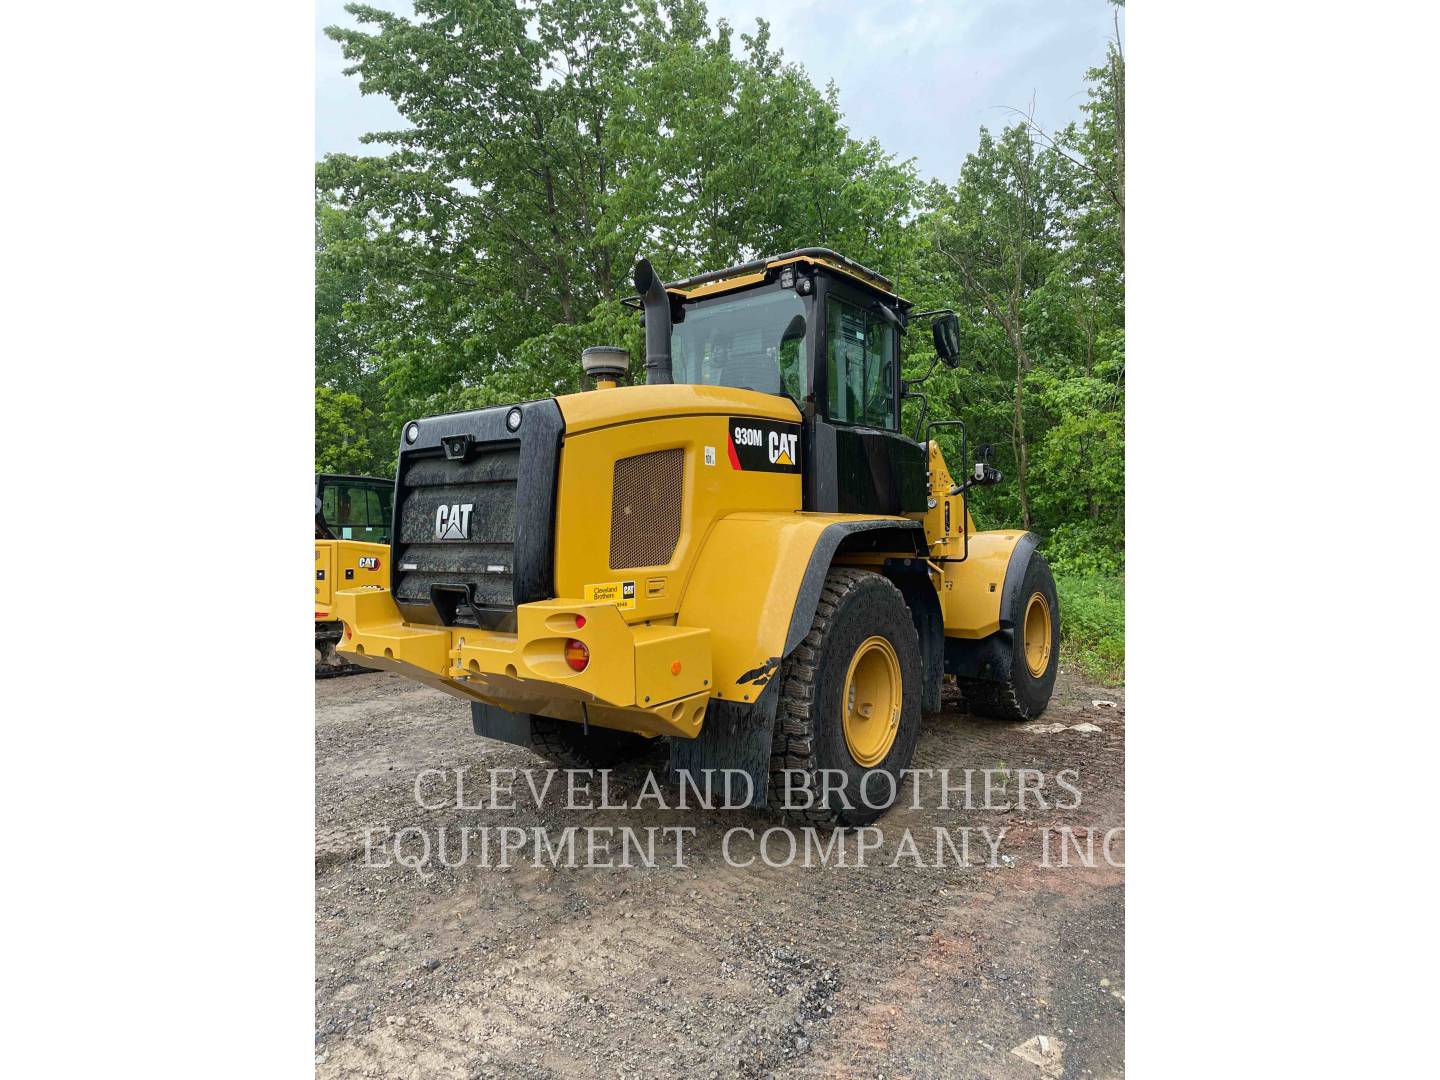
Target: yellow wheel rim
x,y
871,701
1037,635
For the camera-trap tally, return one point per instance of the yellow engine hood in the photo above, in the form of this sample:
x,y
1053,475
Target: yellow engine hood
x,y
627,404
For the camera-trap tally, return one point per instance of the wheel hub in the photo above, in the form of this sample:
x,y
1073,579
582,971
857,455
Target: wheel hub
x,y
871,701
1037,634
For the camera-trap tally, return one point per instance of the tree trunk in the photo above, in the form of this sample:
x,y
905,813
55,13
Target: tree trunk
x,y
1012,323
552,213
1117,102
1022,449
1016,329
562,270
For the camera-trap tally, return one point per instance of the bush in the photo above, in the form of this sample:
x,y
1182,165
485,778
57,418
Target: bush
x,y
1092,624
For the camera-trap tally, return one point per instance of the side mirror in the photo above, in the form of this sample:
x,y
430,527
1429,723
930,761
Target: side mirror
x,y
946,329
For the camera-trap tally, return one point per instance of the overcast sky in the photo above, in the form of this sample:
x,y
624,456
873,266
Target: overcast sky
x,y
921,76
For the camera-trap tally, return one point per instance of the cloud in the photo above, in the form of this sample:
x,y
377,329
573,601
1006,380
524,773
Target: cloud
x,y
922,76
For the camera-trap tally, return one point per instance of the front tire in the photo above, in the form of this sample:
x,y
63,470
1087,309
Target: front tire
x,y
1033,657
849,711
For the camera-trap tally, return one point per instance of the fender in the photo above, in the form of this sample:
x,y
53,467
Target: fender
x,y
987,655
756,585
974,586
1015,577
757,581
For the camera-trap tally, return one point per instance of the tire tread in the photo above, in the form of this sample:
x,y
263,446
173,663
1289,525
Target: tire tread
x,y
794,740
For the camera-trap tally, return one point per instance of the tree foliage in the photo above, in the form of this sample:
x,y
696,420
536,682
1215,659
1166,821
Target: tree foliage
x,y
551,142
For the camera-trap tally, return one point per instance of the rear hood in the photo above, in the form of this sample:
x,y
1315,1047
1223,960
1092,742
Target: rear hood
x,y
627,404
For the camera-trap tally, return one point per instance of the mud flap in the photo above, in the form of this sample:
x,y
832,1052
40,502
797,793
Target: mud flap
x,y
912,578
987,659
496,723
734,736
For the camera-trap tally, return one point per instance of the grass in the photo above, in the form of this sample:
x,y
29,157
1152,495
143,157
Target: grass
x,y
1092,625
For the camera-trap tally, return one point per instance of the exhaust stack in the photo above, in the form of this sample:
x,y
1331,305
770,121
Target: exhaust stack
x,y
657,323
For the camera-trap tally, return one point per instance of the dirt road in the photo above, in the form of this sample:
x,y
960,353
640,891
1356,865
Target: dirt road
x,y
1005,967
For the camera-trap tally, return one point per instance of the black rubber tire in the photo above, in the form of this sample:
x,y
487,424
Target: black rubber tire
x,y
809,735
327,660
568,745
1020,695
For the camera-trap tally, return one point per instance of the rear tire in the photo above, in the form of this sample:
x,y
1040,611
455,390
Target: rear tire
x,y
327,660
1034,652
569,746
850,703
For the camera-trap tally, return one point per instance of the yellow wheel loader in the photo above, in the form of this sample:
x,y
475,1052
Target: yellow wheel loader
x,y
746,555
352,536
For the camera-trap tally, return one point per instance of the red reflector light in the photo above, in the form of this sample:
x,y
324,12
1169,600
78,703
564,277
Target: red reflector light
x,y
579,622
576,654
347,631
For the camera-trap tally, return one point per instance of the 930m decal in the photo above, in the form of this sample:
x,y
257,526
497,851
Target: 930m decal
x,y
763,446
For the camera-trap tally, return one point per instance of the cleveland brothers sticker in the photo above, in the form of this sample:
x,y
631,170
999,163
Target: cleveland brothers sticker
x,y
619,593
764,446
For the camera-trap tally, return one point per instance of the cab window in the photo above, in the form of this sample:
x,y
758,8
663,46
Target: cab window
x,y
859,376
754,340
357,511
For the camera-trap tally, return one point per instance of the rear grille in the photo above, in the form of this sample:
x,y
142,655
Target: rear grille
x,y
474,570
645,511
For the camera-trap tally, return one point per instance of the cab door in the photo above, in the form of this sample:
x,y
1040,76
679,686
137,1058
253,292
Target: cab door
x,y
861,462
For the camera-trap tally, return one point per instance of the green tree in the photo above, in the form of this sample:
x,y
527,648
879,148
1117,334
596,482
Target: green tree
x,y
1030,242
341,442
347,360
550,143
997,230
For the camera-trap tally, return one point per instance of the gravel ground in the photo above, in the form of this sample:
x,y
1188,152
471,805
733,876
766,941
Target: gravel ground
x,y
1003,967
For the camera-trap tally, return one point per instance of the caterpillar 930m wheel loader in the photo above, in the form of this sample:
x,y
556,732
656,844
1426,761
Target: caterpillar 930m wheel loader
x,y
745,555
352,536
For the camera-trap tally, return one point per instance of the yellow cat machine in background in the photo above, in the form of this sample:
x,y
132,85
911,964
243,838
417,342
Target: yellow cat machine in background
x,y
352,537
746,555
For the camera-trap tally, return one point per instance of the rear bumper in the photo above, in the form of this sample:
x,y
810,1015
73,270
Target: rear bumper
x,y
654,680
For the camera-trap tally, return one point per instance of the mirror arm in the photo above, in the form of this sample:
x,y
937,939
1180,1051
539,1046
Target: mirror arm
x,y
906,384
924,400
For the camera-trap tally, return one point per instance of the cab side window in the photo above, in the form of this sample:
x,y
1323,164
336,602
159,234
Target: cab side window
x,y
859,377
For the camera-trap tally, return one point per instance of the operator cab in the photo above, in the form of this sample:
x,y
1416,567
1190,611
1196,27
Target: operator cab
x,y
353,508
822,330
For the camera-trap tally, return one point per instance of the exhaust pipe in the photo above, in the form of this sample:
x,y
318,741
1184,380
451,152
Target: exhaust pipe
x,y
657,323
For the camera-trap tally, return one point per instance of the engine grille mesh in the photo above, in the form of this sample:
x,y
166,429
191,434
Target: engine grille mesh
x,y
645,512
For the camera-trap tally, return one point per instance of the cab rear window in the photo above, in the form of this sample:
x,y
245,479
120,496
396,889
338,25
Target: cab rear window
x,y
357,511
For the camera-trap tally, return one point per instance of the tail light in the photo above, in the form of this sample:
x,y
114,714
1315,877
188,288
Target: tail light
x,y
576,655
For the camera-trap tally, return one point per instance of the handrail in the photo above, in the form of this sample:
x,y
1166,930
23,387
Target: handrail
x,y
964,492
